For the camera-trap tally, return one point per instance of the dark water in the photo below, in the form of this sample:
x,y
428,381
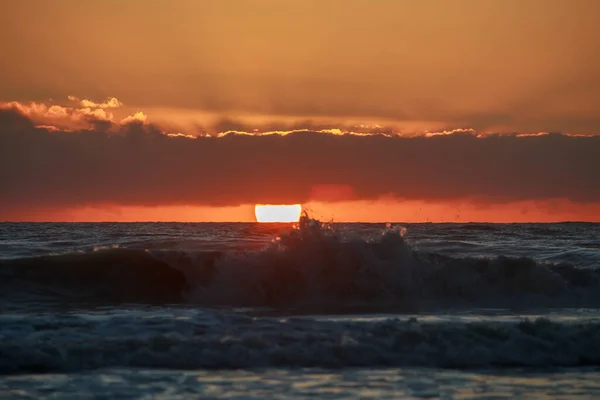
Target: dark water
x,y
260,310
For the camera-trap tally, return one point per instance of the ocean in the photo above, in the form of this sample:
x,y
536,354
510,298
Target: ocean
x,y
253,311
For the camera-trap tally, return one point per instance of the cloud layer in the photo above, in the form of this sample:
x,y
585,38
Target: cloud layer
x,y
494,66
136,164
80,114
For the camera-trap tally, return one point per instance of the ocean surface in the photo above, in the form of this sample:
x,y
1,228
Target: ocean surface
x,y
211,310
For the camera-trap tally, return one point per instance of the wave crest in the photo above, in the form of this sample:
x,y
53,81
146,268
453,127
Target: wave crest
x,y
114,275
73,343
315,265
312,265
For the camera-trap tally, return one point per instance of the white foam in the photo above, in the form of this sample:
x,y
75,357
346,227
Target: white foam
x,y
315,265
200,339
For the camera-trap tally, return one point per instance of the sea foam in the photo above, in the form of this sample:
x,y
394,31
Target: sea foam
x,y
312,265
216,341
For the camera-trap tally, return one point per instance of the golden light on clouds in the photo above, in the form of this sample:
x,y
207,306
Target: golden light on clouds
x,y
277,213
410,64
341,103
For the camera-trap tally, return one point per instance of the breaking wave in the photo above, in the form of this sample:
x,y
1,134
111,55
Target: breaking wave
x,y
312,265
75,342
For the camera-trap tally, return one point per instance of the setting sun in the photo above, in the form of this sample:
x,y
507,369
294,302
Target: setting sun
x,y
277,213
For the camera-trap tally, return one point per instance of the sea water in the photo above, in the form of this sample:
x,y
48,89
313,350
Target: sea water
x,y
174,310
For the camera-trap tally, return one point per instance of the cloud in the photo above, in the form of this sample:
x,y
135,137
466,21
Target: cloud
x,y
138,165
89,116
62,116
72,118
111,102
224,125
137,117
388,68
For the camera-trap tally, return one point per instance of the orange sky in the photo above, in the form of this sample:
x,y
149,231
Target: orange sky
x,y
353,211
197,67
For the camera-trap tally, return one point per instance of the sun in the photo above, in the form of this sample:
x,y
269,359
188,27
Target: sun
x,y
277,213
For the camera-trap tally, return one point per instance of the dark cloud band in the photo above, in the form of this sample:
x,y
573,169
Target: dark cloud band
x,y
138,165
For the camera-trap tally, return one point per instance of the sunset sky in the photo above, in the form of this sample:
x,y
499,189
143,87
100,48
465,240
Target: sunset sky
x,y
360,110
